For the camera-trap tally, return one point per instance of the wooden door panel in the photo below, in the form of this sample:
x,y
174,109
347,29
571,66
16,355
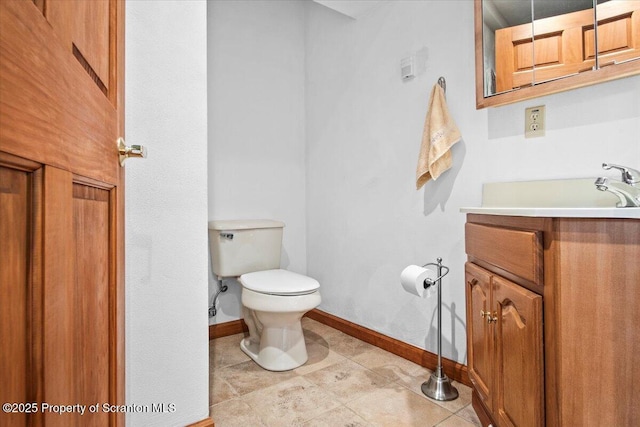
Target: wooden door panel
x,y
91,321
479,338
83,27
78,287
519,395
58,263
14,244
51,110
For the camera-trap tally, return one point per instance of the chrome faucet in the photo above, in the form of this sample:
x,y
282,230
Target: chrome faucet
x,y
627,190
629,176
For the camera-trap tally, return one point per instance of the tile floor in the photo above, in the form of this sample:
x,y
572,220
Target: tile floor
x,y
346,382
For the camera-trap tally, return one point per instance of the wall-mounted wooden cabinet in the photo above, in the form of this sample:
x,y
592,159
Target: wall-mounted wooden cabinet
x,y
527,49
553,325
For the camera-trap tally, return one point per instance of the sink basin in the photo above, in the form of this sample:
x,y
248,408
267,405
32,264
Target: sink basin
x,y
558,193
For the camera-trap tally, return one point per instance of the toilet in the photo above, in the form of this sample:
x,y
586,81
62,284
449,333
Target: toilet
x,y
273,300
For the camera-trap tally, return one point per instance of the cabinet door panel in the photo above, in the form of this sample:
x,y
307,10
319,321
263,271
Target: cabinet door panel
x,y
519,380
479,338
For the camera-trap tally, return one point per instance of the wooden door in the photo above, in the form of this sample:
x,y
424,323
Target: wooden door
x,y
61,211
479,334
518,357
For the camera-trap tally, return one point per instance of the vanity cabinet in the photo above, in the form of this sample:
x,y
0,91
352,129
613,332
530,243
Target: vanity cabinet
x,y
553,320
504,328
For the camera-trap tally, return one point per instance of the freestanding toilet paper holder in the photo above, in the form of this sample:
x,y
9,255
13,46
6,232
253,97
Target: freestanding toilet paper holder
x,y
438,386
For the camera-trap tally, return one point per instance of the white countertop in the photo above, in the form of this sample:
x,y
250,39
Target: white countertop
x,y
557,198
598,212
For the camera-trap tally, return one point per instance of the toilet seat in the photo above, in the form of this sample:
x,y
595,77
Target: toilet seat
x,y
279,282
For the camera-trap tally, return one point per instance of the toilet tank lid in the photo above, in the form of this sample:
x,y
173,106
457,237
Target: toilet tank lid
x,y
244,224
279,282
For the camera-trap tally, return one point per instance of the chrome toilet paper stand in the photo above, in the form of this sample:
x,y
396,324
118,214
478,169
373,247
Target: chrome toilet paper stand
x,y
438,386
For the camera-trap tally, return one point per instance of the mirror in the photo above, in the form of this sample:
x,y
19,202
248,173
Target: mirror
x,y
531,48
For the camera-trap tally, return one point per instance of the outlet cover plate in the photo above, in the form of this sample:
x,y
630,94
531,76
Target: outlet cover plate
x,y
534,122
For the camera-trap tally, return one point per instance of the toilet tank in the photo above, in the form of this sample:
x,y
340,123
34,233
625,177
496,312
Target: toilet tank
x,y
244,246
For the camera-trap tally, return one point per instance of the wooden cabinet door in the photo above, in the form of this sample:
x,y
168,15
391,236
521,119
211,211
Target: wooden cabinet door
x,y
558,50
518,355
479,335
61,210
566,44
618,32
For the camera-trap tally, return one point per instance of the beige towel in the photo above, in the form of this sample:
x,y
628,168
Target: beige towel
x,y
439,135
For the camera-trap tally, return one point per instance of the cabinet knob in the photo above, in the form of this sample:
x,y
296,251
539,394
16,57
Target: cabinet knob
x,y
488,316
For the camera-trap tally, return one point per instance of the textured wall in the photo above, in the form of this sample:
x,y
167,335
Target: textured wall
x,y
256,124
166,211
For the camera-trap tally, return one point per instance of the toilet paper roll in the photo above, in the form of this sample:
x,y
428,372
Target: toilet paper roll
x,y
412,279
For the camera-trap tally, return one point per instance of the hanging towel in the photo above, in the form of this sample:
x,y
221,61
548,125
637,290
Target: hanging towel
x,y
439,135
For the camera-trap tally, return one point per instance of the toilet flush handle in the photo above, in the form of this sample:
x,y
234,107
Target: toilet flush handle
x,y
226,235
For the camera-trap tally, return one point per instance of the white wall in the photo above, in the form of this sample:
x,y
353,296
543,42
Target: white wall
x,y
365,220
166,211
256,124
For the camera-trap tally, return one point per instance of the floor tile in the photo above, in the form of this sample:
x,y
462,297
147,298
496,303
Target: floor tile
x,y
226,351
219,389
248,376
388,365
339,417
346,345
235,413
469,414
464,393
455,421
316,329
319,357
396,406
290,402
347,380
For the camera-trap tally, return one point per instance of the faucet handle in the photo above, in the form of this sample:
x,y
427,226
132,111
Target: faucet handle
x,y
629,176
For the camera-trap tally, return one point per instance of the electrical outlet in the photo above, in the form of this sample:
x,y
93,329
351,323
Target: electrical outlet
x,y
534,122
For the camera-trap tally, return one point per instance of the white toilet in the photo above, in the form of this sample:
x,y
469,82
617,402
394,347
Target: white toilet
x,y
273,300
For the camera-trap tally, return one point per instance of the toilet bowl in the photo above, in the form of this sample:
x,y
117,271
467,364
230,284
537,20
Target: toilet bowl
x,y
273,300
273,303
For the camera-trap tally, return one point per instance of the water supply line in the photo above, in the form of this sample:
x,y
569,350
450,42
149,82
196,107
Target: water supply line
x,y
214,299
438,386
